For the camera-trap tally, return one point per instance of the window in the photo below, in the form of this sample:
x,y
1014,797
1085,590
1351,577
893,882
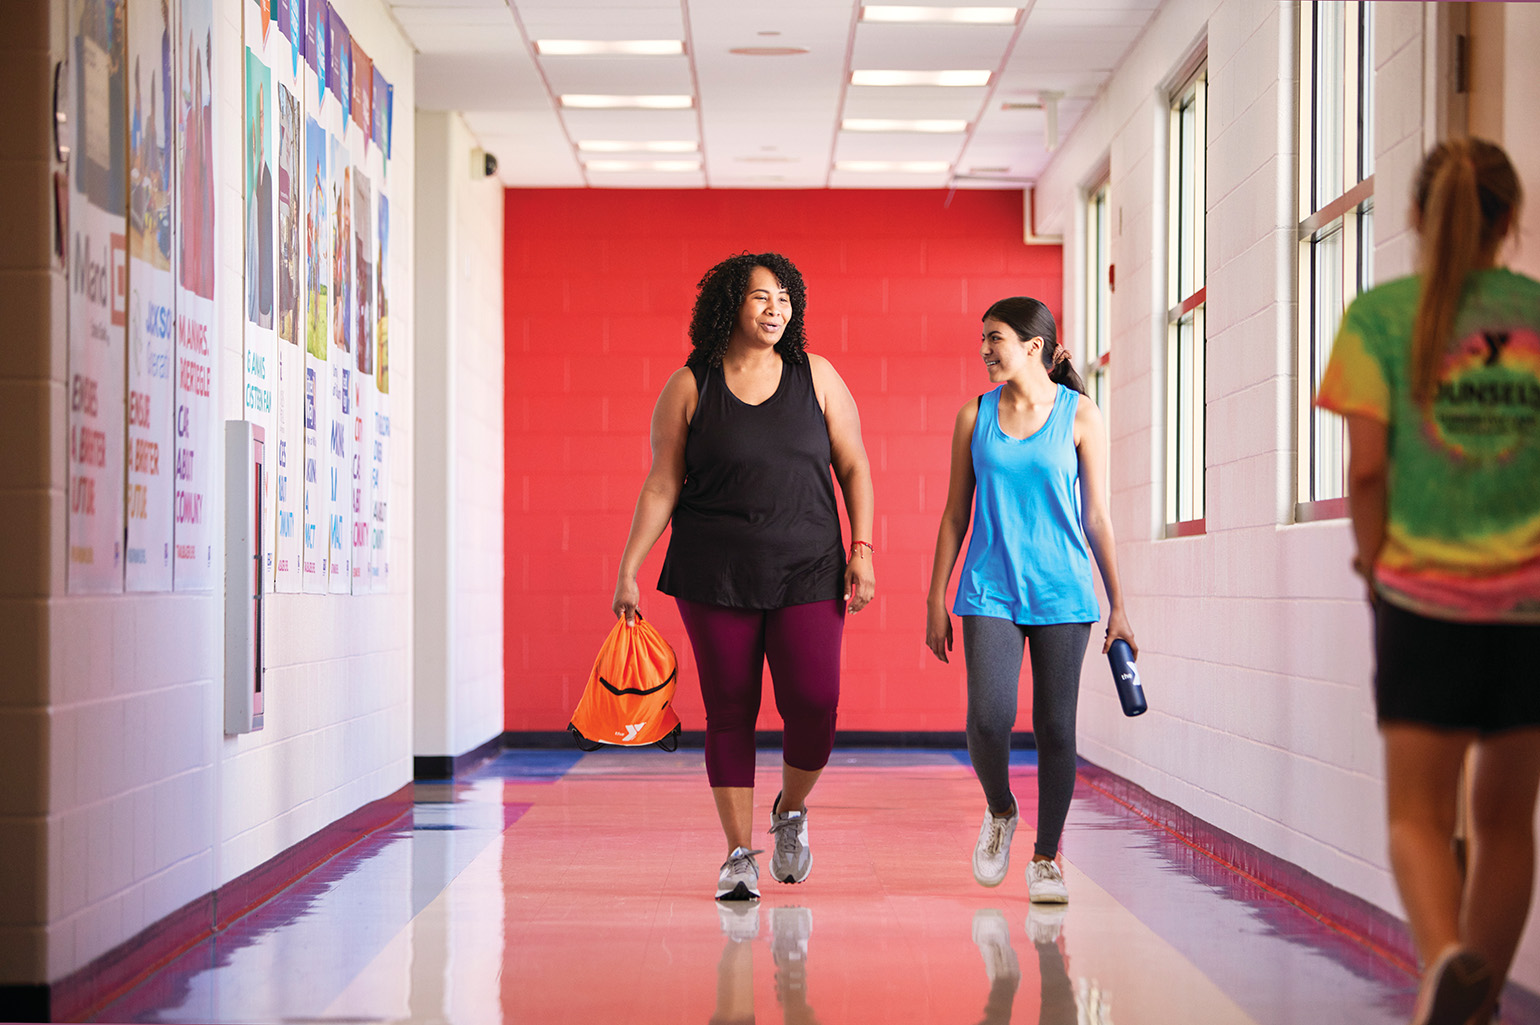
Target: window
x,y
1185,391
1336,227
1098,297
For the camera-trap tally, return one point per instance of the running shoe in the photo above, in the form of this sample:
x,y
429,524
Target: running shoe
x,y
739,878
1045,883
992,853
1454,988
793,858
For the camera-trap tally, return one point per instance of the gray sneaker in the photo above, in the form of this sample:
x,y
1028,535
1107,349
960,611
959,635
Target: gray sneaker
x,y
793,858
739,878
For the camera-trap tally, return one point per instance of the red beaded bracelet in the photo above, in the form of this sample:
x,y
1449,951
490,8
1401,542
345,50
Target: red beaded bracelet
x,y
866,544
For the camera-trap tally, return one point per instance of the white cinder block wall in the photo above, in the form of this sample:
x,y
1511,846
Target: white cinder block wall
x,y
1254,636
459,446
148,804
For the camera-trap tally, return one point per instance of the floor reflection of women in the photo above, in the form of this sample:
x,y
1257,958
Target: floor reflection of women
x,y
790,928
1059,1003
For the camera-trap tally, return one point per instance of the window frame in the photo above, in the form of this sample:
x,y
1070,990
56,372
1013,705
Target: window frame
x,y
1335,232
1187,298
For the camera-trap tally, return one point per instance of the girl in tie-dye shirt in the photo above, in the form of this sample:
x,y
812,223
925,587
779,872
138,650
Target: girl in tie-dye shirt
x,y
1438,376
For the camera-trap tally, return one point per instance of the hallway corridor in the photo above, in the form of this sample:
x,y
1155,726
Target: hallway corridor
x,y
551,886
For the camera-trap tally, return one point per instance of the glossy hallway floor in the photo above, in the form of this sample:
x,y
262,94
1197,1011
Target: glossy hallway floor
x,y
560,887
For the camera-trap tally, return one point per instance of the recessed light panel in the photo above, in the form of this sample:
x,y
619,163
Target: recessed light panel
x,y
955,15
609,47
595,101
642,165
893,166
621,146
945,78
938,126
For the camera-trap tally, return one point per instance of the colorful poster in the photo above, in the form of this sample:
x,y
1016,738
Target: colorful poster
x,y
340,408
317,340
197,416
259,193
97,258
363,351
151,451
378,470
289,393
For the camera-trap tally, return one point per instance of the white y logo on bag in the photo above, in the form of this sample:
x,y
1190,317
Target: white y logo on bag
x,y
632,730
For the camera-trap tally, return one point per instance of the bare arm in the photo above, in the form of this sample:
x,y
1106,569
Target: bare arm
x,y
847,455
1091,447
949,536
1368,442
660,491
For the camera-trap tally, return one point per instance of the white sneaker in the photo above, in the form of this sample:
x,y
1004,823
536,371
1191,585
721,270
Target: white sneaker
x,y
993,937
793,858
1045,883
739,878
992,853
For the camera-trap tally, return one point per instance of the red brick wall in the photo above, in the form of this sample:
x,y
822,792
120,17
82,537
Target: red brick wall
x,y
599,285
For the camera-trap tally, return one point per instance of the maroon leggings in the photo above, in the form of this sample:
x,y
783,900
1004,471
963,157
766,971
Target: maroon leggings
x,y
802,644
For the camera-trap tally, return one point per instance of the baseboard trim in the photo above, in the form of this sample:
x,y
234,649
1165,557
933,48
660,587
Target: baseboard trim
x,y
1023,740
436,768
85,991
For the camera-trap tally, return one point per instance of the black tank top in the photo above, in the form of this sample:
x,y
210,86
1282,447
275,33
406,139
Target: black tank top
x,y
756,526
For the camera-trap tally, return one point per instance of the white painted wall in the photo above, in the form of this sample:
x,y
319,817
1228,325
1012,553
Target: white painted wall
x,y
459,447
146,804
1255,639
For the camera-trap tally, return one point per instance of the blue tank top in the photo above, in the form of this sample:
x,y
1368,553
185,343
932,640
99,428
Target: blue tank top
x,y
1027,559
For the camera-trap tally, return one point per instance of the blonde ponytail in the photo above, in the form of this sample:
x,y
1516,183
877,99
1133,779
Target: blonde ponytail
x,y
1467,194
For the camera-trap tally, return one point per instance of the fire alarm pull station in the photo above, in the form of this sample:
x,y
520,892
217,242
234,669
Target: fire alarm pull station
x,y
244,665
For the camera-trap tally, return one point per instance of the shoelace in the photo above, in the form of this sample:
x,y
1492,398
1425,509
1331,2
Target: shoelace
x,y
1045,870
743,863
785,830
996,836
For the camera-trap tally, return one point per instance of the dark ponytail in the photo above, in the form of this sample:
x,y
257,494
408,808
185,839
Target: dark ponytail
x,y
1029,318
1467,196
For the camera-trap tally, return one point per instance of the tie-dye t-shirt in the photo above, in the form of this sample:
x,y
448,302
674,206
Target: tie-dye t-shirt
x,y
1462,537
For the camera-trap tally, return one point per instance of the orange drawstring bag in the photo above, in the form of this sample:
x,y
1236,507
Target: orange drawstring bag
x,y
629,700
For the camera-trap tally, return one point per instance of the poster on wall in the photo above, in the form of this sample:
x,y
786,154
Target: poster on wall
x,y
363,377
196,421
378,477
151,446
97,256
317,307
339,411
259,265
284,49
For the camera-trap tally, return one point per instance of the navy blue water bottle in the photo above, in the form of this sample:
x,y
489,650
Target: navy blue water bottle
x,y
1126,675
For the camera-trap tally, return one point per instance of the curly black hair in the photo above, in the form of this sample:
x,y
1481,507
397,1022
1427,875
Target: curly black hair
x,y
720,295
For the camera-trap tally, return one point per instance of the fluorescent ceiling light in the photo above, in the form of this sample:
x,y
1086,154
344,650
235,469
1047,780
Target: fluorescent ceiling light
x,y
593,101
939,126
963,15
620,146
642,165
609,47
891,166
948,78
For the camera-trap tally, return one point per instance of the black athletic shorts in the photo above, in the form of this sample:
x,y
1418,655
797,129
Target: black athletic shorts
x,y
1439,672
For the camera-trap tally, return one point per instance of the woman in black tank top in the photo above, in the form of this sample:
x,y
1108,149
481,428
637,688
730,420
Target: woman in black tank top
x,y
743,441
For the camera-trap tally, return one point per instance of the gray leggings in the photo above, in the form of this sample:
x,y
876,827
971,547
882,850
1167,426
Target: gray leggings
x,y
993,649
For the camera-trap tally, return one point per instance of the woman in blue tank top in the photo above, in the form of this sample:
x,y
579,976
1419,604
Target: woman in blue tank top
x,y
1030,459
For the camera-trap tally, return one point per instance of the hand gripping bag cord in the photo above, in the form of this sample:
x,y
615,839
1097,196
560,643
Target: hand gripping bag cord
x,y
629,699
